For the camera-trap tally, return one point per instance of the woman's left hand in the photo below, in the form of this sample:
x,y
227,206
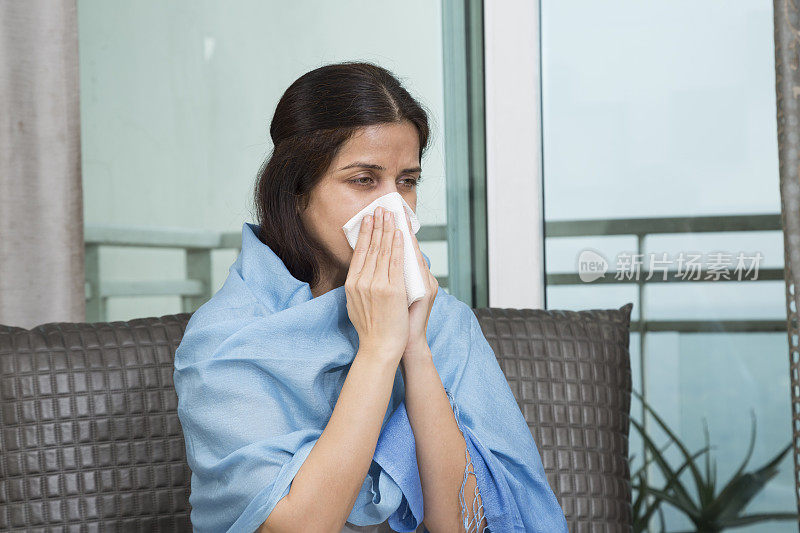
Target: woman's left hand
x,y
420,311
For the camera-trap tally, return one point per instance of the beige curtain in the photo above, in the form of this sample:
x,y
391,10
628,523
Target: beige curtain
x,y
41,210
787,86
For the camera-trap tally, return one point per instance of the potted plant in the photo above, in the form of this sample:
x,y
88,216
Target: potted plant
x,y
710,508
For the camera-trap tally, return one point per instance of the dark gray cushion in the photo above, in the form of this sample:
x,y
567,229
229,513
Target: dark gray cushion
x,y
89,427
90,438
570,373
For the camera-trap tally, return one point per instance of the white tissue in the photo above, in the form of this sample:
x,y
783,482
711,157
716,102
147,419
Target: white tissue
x,y
394,202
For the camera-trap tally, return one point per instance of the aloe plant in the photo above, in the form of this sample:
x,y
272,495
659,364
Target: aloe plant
x,y
710,510
643,509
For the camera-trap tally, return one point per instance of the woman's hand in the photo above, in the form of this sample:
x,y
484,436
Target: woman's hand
x,y
420,311
376,290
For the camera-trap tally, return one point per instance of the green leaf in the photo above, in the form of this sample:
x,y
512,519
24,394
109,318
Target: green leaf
x,y
762,517
698,478
737,494
649,461
682,498
676,502
707,495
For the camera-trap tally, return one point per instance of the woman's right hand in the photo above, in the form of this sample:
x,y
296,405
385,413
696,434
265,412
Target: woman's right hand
x,y
375,289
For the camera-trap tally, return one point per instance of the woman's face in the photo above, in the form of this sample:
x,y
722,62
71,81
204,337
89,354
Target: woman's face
x,y
377,160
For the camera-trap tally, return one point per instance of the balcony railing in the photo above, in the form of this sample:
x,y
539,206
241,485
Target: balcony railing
x,y
198,245
641,228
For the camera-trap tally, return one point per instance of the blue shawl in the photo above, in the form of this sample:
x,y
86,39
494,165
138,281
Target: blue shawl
x,y
258,372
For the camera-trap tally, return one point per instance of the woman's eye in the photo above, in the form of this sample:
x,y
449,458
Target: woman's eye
x,y
409,182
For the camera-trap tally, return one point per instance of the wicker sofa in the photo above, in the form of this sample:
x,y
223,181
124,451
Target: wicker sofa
x,y
90,438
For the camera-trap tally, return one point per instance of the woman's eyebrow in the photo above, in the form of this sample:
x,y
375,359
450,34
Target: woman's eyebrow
x,y
359,164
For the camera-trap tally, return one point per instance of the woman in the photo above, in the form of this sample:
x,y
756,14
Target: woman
x,y
311,396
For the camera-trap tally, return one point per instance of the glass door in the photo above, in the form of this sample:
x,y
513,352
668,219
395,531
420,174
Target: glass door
x,y
660,164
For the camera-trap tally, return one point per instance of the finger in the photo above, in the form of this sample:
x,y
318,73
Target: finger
x,y
374,245
433,281
360,251
396,263
382,267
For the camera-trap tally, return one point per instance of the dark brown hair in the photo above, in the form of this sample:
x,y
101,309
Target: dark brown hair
x,y
319,111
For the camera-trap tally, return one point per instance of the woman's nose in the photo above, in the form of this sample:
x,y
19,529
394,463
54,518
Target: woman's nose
x,y
393,187
386,189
